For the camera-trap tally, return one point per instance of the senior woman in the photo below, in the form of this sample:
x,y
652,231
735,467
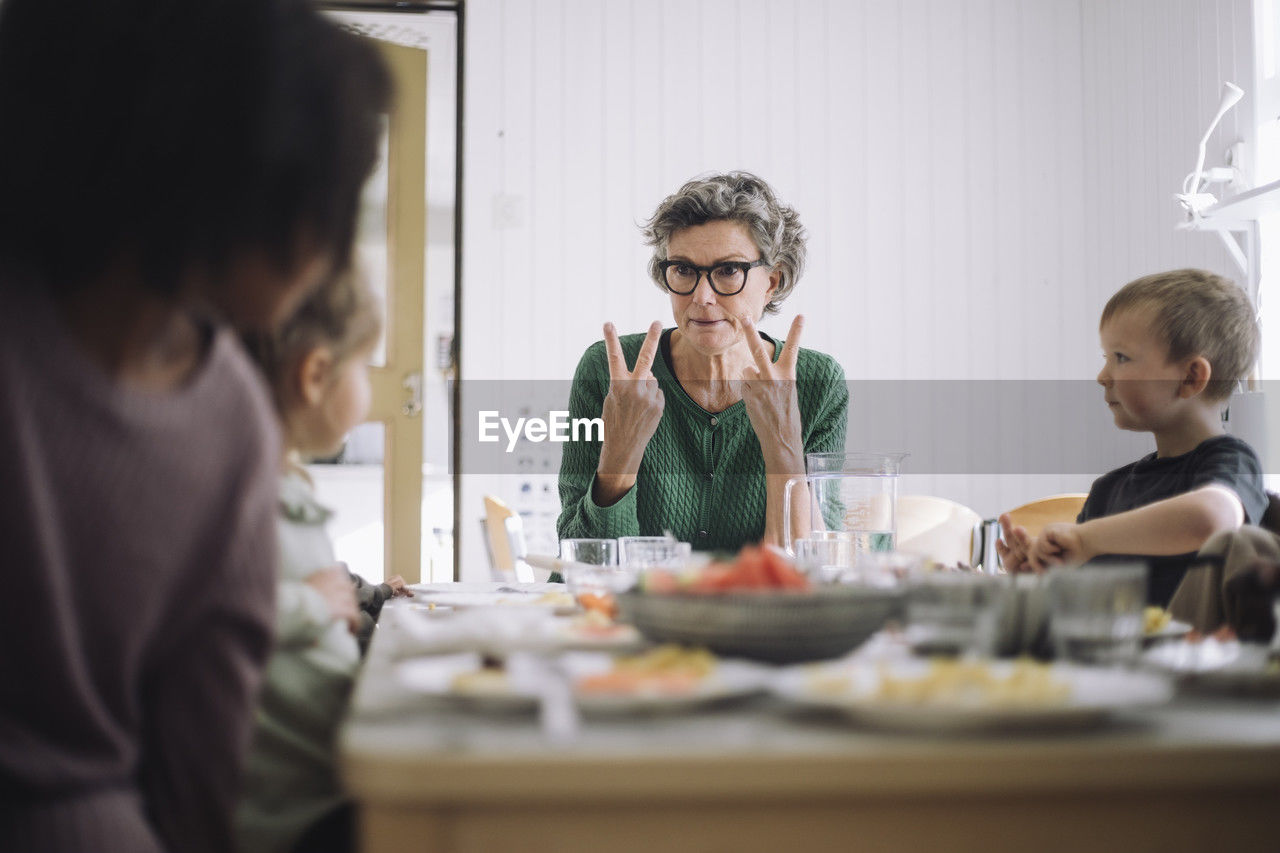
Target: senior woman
x,y
705,422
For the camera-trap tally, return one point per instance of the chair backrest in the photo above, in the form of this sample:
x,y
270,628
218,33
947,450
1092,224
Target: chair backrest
x,y
504,533
1271,518
1036,514
939,529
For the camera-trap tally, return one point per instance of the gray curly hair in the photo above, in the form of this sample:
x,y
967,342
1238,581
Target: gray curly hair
x,y
738,197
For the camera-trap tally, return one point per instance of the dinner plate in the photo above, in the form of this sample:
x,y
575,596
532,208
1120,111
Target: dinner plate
x,y
575,633
1072,697
457,679
501,631
1171,630
730,680
454,679
555,601
1225,666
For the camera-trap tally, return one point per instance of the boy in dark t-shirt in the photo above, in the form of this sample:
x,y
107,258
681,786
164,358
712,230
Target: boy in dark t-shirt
x,y
1175,345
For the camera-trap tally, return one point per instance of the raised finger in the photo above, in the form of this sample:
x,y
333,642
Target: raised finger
x,y
791,349
649,349
613,348
1004,552
759,349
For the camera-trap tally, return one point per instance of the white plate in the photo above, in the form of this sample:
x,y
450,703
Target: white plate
x,y
437,677
1215,665
497,631
1092,695
557,601
1171,631
571,634
730,680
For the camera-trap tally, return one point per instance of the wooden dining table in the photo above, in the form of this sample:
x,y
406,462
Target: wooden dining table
x,y
1201,772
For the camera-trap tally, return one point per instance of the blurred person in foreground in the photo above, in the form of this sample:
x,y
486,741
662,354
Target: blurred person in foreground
x,y
168,170
1174,346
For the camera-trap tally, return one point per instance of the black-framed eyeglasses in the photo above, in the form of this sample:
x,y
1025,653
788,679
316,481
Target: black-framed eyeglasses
x,y
727,277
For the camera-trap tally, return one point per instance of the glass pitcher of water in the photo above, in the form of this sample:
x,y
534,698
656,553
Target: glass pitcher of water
x,y
851,496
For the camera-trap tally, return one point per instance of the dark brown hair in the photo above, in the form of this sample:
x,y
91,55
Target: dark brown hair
x,y
175,136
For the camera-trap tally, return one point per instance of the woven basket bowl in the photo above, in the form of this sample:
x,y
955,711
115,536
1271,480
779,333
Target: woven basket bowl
x,y
778,627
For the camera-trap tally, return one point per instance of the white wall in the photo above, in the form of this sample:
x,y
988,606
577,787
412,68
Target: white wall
x,y
977,176
1153,72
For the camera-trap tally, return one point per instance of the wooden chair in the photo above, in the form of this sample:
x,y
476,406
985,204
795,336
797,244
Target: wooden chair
x,y
1036,514
504,534
939,529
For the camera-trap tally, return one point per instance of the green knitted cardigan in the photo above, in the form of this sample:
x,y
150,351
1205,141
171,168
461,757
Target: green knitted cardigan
x,y
702,476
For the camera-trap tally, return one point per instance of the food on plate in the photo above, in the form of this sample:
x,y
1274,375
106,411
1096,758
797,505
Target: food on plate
x,y
555,599
599,603
486,681
666,669
1154,620
598,625
968,683
754,568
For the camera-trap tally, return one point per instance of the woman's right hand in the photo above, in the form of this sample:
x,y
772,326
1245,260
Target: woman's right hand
x,y
631,413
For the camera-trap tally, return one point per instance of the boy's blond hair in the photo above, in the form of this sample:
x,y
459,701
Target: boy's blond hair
x,y
1197,313
342,314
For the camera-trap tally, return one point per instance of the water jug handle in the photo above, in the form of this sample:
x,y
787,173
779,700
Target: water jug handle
x,y
786,516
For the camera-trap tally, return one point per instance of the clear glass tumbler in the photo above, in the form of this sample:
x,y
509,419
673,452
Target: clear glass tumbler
x,y
952,613
827,560
596,552
652,552
1095,612
594,566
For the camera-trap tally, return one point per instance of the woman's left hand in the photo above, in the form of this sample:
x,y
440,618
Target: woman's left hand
x,y
769,391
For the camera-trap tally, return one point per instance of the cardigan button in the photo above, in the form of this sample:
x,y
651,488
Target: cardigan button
x,y
714,420
702,534
711,475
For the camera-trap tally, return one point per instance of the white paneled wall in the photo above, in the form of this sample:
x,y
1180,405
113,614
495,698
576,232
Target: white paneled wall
x,y
1153,72
977,176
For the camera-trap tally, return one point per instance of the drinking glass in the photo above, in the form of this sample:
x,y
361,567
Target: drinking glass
x,y
601,553
829,560
651,552
1096,612
950,613
887,568
597,552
